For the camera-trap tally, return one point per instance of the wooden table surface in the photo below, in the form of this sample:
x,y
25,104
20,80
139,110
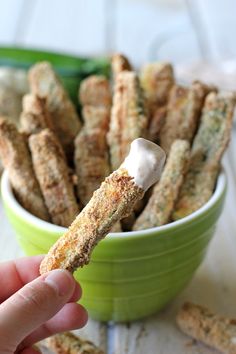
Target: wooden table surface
x,y
213,285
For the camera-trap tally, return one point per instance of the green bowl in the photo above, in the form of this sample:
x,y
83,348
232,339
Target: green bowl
x,y
132,274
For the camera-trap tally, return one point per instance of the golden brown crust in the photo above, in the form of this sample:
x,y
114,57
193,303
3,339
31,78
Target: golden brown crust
x,y
95,91
68,343
10,103
209,145
16,160
96,117
53,176
45,84
128,117
114,200
183,113
161,203
156,81
211,329
34,117
91,162
119,63
91,150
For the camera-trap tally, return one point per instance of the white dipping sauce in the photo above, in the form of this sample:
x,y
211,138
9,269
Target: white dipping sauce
x,y
145,162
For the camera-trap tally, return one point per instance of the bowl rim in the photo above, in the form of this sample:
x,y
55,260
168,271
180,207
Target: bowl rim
x,y
9,199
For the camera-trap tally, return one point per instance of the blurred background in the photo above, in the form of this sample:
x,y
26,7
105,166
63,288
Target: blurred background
x,y
185,32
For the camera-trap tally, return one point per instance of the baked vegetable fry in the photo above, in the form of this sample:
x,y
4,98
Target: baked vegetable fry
x,y
45,84
95,91
68,343
53,176
183,113
91,161
161,203
128,117
119,63
91,150
157,80
35,116
207,327
209,145
16,160
114,200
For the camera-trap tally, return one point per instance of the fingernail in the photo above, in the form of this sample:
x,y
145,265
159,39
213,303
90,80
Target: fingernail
x,y
61,280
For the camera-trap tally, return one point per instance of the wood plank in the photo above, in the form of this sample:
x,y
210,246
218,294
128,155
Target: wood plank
x,y
9,18
139,23
213,283
75,26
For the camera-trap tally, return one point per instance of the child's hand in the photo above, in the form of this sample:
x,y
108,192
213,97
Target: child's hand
x,y
33,307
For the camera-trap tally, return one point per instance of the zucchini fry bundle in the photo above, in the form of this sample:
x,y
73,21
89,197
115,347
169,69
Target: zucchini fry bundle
x,y
161,203
16,160
128,116
35,116
183,113
119,63
114,200
156,80
68,343
45,84
52,173
209,328
91,149
208,147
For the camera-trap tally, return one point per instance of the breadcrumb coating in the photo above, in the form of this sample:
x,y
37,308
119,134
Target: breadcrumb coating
x,y
45,84
128,117
53,176
114,200
16,159
91,161
95,91
68,343
161,203
119,63
35,116
211,329
183,113
208,147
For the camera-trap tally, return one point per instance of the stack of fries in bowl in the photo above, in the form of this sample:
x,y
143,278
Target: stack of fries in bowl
x,y
56,160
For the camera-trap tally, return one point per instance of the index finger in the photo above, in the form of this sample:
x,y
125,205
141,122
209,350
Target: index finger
x,y
17,273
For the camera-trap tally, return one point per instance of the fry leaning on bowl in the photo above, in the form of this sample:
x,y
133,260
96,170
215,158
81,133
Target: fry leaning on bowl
x,y
140,216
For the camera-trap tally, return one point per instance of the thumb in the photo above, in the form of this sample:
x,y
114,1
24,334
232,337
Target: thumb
x,y
33,305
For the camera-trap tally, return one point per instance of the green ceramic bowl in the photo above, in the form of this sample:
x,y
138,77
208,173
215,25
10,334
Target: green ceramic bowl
x,y
132,274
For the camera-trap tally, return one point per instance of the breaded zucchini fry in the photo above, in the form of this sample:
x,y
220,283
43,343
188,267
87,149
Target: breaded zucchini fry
x,y
53,176
119,63
128,116
68,343
91,161
161,203
209,328
183,113
91,150
114,200
96,117
157,80
35,116
208,147
16,159
45,84
95,91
